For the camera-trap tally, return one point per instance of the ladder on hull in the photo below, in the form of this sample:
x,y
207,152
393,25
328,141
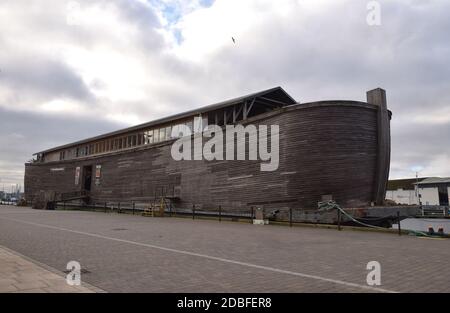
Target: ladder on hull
x,y
158,207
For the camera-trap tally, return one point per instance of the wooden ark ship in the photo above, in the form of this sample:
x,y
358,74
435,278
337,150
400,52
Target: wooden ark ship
x,y
336,150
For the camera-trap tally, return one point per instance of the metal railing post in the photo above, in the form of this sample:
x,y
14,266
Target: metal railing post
x,y
339,219
133,207
398,221
220,213
118,208
193,211
290,217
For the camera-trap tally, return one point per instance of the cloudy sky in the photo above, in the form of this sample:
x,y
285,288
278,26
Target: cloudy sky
x,y
74,69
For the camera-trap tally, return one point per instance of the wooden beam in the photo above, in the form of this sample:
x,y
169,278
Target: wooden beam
x,y
244,113
274,101
250,108
267,103
241,107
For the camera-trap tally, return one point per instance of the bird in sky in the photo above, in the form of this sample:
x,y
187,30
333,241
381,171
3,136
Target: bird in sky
x,y
232,38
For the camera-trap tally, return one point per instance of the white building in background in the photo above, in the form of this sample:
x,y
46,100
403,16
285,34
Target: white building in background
x,y
430,191
435,191
403,191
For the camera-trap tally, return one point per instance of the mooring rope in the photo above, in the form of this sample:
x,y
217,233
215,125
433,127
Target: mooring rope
x,y
329,205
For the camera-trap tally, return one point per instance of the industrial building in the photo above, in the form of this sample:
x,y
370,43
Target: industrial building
x,y
416,191
434,191
403,191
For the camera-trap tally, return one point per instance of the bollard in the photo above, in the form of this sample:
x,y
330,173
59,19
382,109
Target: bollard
x,y
339,219
193,211
133,207
118,207
105,207
220,213
290,217
64,205
398,221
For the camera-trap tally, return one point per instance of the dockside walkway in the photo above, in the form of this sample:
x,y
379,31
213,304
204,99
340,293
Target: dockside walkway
x,y
20,274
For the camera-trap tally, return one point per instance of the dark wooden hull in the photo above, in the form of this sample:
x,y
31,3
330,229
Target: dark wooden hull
x,y
326,148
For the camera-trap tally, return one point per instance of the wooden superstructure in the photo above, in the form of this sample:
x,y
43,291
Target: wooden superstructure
x,y
328,149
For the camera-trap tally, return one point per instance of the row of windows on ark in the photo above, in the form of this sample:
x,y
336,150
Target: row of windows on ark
x,y
123,142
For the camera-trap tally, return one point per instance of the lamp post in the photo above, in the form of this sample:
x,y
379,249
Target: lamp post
x,y
418,193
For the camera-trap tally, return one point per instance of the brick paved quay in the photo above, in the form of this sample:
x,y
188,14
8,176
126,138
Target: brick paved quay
x,y
126,253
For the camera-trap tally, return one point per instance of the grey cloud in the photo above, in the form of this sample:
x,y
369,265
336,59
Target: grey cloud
x,y
417,145
44,78
338,54
139,13
22,134
145,19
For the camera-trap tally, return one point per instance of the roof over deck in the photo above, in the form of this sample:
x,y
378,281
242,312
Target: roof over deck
x,y
434,181
405,184
275,97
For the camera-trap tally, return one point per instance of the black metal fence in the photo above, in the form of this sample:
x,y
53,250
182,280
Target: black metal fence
x,y
287,216
435,210
139,207
220,213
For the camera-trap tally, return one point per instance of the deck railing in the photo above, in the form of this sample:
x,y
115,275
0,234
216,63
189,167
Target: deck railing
x,y
435,211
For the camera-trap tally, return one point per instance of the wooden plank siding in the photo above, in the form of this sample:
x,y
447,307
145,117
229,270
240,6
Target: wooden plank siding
x,y
326,148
